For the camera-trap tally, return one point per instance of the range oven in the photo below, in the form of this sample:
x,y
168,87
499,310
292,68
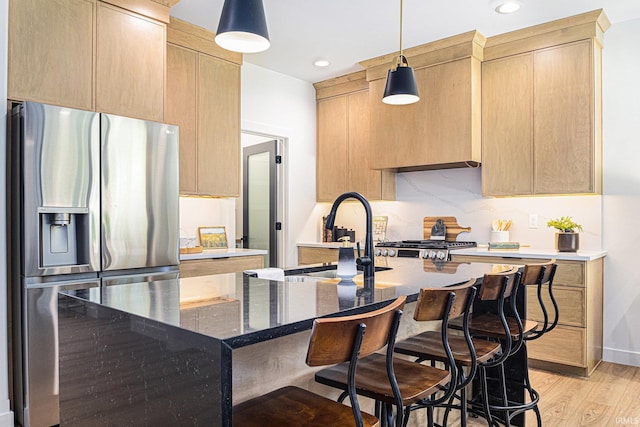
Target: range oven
x,y
424,249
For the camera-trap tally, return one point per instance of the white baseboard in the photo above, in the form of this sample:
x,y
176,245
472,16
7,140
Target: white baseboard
x,y
6,419
623,357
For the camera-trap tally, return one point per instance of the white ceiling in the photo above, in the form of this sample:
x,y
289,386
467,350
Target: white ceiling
x,y
348,31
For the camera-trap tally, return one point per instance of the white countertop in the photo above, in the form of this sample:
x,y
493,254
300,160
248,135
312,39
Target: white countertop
x,y
223,253
532,253
483,250
323,245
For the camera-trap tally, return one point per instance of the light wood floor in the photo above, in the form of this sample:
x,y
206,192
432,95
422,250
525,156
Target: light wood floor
x,y
610,397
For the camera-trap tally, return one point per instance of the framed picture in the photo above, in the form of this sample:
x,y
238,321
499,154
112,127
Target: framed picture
x,y
213,237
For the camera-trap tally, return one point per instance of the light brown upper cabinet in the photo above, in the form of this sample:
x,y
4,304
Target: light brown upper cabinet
x,y
203,98
90,55
541,109
442,130
181,109
342,152
130,64
51,52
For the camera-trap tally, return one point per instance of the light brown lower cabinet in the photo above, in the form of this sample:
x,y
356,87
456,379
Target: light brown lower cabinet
x,y
317,255
205,267
575,346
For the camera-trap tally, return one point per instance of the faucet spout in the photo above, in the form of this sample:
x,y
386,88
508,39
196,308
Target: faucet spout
x,y
366,261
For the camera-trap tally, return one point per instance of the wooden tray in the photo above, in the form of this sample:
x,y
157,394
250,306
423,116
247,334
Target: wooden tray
x,y
453,228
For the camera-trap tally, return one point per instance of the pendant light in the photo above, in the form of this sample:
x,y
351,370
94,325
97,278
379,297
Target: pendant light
x,y
243,27
401,85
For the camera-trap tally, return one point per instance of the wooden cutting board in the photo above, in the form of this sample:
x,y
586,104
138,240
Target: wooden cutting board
x,y
450,222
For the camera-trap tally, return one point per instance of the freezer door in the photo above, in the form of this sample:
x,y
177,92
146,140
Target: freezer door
x,y
40,350
139,193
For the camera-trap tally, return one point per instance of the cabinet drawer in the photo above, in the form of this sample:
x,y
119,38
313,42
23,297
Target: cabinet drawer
x,y
571,273
571,305
311,255
205,267
565,344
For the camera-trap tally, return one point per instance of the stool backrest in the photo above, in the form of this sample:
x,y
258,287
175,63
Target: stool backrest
x,y
541,275
332,339
499,285
503,287
431,303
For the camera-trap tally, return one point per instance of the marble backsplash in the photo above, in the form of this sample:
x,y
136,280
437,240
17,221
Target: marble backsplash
x,y
458,192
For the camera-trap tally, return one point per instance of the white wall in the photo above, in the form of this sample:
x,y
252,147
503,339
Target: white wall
x,y
6,416
457,192
621,199
204,212
279,105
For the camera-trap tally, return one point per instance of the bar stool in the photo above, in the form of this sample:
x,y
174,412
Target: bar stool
x,y
467,351
333,340
406,383
512,332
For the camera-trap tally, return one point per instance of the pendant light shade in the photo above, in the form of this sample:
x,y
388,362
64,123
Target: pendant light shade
x,y
243,27
401,87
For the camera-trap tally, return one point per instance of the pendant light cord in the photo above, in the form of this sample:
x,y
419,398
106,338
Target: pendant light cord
x,y
400,27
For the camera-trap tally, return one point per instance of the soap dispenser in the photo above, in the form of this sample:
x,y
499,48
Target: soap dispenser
x,y
346,260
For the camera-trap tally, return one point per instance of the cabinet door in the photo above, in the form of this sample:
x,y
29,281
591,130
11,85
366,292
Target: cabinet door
x,y
181,110
130,64
218,129
563,120
51,52
332,148
435,131
507,145
372,184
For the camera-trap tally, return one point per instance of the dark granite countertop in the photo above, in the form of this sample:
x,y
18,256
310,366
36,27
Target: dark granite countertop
x,y
242,310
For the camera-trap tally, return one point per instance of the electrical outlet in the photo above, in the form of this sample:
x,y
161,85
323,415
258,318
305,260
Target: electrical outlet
x,y
533,220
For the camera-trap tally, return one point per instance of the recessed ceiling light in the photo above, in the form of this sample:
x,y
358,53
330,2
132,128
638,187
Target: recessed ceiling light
x,y
506,6
321,63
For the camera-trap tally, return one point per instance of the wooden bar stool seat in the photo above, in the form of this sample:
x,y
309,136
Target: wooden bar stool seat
x,y
425,346
399,383
489,325
293,406
333,340
415,382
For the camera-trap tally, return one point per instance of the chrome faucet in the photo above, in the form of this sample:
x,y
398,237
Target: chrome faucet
x,y
366,261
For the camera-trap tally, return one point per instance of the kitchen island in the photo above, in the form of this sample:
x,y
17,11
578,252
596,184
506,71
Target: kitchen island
x,y
182,353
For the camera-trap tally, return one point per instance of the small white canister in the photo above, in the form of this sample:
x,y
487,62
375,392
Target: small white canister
x,y
500,236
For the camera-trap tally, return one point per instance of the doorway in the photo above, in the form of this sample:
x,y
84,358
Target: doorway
x,y
260,218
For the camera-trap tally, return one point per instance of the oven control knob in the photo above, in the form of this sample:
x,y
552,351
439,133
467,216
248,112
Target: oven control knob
x,y
385,252
378,252
392,252
441,255
432,254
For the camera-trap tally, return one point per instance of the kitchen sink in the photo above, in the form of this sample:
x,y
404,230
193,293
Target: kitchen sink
x,y
329,271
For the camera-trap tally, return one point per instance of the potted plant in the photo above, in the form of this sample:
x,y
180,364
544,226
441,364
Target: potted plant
x,y
567,237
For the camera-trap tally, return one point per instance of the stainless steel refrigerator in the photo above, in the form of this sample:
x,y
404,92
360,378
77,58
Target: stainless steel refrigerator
x,y
94,201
